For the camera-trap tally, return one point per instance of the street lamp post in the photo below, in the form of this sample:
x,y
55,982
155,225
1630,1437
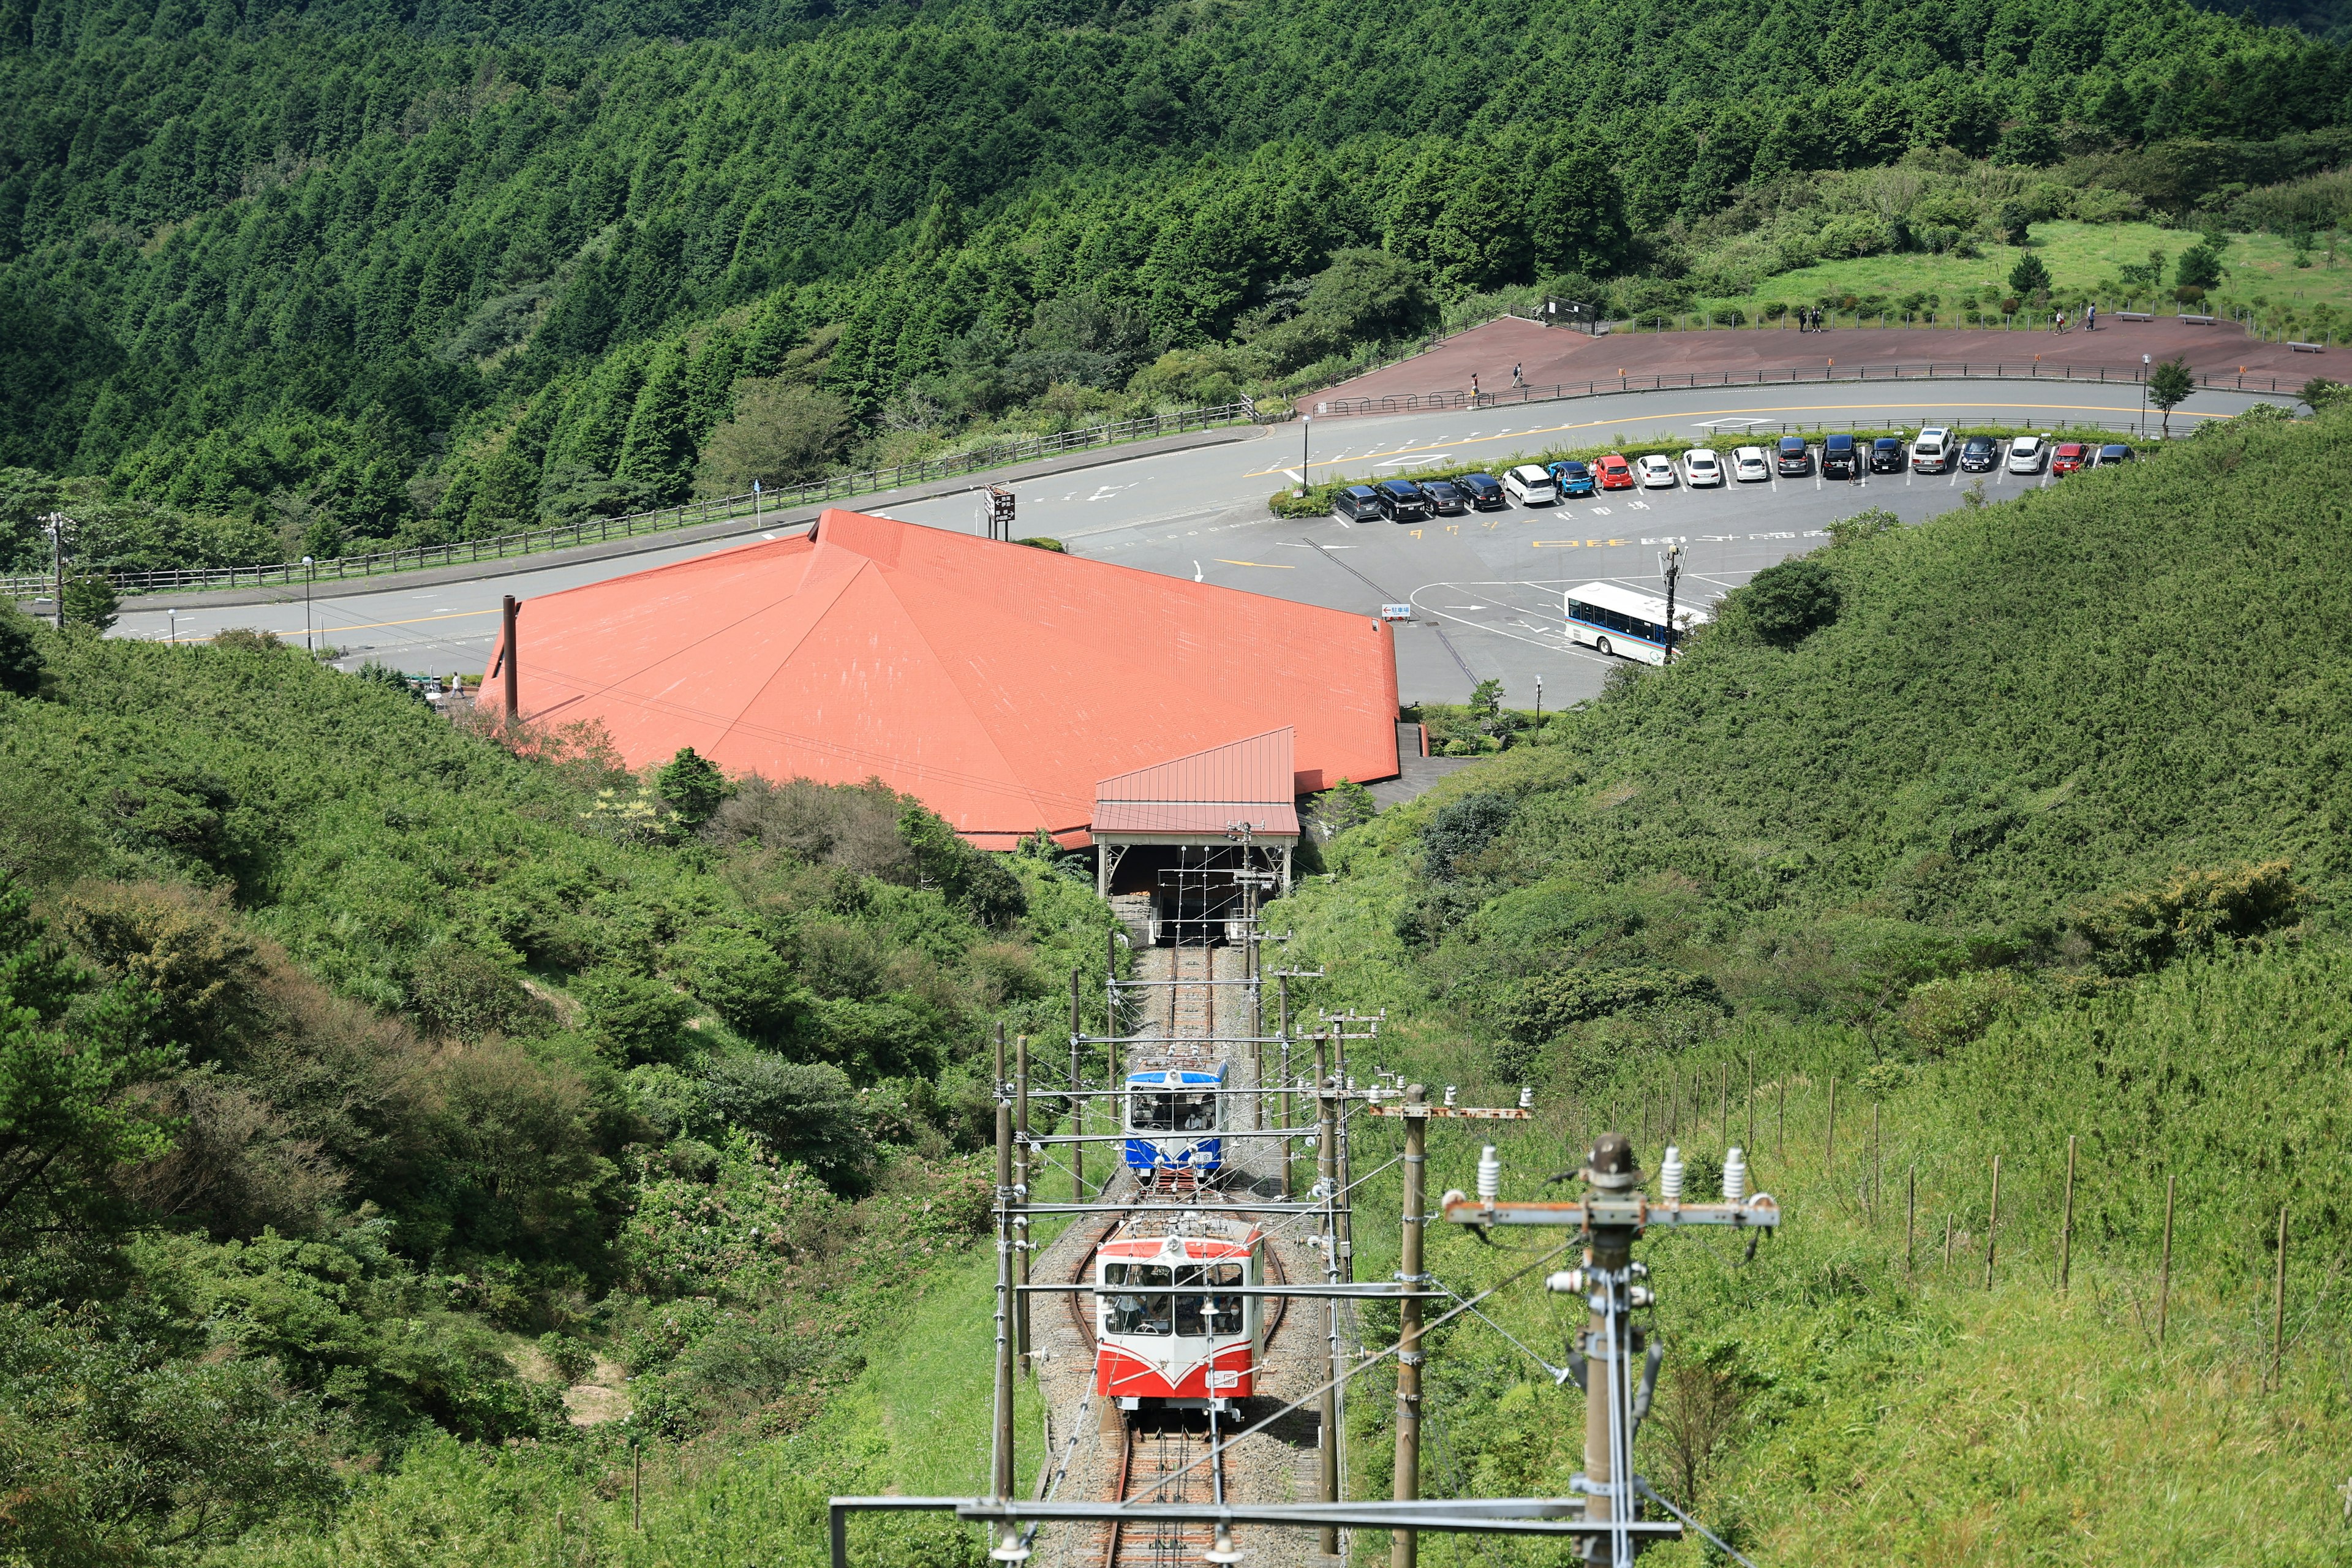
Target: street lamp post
x,y
1539,701
2143,362
310,575
1670,566
1305,435
57,562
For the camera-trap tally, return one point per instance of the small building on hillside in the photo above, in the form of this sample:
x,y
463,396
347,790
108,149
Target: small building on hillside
x,y
1003,686
1181,830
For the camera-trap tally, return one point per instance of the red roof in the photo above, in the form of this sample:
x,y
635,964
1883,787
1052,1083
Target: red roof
x,y
1247,781
995,682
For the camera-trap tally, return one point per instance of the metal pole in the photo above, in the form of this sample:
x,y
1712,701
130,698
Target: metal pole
x,y
1608,1351
1325,1170
1670,566
1345,1195
1077,1101
2164,1269
1022,1181
1001,1481
1752,1100
1910,1219
2278,1308
1404,1544
1282,994
310,577
2066,1225
1780,1137
1829,1150
1992,1222
1876,1151
1110,1022
1723,1105
513,687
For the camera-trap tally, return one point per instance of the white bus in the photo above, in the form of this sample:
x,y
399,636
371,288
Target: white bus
x,y
1613,620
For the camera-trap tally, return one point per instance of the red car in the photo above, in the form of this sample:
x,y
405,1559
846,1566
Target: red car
x,y
2069,456
1616,473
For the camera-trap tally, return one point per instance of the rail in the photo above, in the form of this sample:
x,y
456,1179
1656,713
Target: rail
x,y
662,520
1415,402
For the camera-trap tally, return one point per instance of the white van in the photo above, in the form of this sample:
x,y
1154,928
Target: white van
x,y
1529,485
1934,451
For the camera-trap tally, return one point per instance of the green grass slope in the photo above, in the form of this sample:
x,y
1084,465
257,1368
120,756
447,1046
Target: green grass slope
x,y
2027,843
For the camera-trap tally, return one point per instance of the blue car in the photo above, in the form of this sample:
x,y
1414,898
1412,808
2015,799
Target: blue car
x,y
1573,479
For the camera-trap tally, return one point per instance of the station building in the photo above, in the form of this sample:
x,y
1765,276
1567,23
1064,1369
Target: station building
x,y
1009,688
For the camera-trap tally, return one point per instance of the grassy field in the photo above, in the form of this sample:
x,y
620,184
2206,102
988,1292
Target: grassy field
x,y
2081,257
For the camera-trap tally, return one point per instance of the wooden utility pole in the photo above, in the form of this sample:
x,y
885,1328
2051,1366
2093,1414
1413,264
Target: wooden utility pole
x,y
2164,1267
509,668
2278,1309
1281,995
1327,1139
1910,1219
1077,1101
1878,1151
1001,1450
2066,1225
1992,1222
1025,1178
1404,1544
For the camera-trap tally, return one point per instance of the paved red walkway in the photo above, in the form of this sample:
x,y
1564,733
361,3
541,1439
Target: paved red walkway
x,y
1551,356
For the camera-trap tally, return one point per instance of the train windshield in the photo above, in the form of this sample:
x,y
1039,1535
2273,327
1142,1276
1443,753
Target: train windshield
x,y
1134,1301
1175,1112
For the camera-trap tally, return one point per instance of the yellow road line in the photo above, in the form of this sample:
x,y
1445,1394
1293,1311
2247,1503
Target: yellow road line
x,y
1269,566
365,626
1709,414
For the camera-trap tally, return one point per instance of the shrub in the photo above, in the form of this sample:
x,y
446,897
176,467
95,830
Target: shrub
x,y
1541,1006
1787,604
806,1112
20,654
1460,828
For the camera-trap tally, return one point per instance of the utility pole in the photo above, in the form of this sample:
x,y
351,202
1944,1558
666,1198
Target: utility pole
x,y
1077,1101
1404,1544
1001,1481
1614,1214
1023,1182
309,578
1282,994
1670,567
507,665
1326,1172
57,562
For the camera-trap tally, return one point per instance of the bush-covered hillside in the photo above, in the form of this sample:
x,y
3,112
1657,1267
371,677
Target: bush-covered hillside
x,y
298,280
1999,825
362,1083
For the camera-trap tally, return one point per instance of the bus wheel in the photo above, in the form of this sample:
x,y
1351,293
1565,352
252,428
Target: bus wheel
x,y
1601,645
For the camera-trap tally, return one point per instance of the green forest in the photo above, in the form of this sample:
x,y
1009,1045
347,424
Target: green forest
x,y
280,280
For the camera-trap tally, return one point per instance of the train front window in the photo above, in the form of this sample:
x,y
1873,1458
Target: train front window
x,y
1199,1317
1125,1310
1175,1112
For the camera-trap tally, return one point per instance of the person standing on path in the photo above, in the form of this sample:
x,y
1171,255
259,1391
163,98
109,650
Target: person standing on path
x,y
1474,389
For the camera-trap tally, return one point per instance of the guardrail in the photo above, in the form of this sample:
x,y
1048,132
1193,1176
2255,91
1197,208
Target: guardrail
x,y
1415,402
664,520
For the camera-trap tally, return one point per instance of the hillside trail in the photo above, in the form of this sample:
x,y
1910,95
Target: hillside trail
x,y
1266,1464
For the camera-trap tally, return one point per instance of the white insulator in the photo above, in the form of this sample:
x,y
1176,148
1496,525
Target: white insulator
x,y
1567,1282
1670,1175
1735,1175
1449,1094
1526,1099
1490,1175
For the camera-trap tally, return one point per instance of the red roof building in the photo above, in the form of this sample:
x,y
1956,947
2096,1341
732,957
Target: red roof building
x,y
997,683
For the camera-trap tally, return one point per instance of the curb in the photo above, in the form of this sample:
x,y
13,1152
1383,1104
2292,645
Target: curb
x,y
653,543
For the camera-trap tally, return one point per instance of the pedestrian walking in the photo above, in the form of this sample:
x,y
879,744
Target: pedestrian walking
x,y
1517,379
1474,389
2090,317
2058,321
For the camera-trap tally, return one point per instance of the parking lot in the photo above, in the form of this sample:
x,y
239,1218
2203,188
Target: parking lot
x,y
1483,588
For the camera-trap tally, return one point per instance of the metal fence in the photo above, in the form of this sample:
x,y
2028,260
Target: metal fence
x,y
666,520
1415,402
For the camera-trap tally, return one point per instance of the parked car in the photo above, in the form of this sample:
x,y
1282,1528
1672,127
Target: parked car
x,y
1747,465
1530,486
1702,467
2028,454
1980,455
1841,459
1887,455
1934,451
1357,503
2069,456
1656,473
1444,499
1616,473
1401,501
1573,479
2111,454
1485,490
1796,458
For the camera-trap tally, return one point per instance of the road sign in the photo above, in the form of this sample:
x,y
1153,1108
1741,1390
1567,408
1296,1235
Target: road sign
x,y
1396,612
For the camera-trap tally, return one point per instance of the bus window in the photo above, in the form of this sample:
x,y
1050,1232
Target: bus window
x,y
1127,1312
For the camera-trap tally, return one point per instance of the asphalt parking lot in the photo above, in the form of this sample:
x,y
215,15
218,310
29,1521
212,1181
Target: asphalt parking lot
x,y
1483,587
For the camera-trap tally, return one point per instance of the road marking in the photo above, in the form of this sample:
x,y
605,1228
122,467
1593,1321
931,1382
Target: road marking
x,y
1269,566
1196,570
1295,476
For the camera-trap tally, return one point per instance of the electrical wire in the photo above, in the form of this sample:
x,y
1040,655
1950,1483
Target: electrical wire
x,y
1650,1493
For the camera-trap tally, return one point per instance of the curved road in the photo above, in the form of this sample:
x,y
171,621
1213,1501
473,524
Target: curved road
x,y
1485,588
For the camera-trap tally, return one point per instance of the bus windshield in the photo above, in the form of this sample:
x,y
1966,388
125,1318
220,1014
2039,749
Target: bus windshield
x,y
1135,1301
1175,1112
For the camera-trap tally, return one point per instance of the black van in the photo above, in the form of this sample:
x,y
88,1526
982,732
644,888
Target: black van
x,y
1357,503
1840,458
1401,501
1485,490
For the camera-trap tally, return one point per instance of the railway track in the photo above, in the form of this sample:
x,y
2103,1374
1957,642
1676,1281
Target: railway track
x,y
1164,1457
